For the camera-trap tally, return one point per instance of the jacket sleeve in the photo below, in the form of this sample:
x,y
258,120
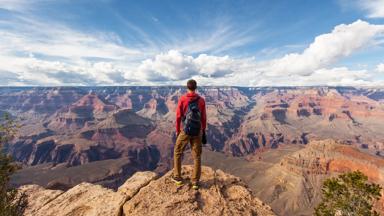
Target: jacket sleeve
x,y
179,114
203,115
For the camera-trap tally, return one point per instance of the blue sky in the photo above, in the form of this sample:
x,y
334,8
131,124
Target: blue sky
x,y
243,43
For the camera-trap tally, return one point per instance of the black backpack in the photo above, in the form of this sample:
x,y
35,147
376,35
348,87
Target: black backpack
x,y
192,118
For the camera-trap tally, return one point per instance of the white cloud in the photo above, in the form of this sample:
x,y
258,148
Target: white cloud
x,y
214,66
174,65
214,37
374,8
37,53
13,4
60,41
218,39
339,76
167,66
32,71
380,68
327,49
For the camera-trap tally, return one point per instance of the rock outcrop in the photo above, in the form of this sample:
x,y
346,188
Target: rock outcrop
x,y
219,194
143,194
84,199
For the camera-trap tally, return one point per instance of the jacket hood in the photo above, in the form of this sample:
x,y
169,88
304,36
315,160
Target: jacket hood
x,y
191,95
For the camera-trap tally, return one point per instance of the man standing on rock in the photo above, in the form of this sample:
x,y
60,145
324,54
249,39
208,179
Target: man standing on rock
x,y
191,122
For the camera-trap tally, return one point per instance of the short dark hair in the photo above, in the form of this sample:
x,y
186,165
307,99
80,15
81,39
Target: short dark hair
x,y
192,85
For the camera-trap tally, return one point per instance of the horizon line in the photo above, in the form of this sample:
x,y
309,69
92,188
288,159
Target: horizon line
x,y
202,86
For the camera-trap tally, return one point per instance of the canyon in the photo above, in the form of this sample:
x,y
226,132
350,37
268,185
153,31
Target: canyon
x,y
281,141
289,178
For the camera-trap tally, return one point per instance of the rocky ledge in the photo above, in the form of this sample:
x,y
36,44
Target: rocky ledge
x,y
145,194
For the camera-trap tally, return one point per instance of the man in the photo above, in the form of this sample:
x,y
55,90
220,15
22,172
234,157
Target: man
x,y
191,113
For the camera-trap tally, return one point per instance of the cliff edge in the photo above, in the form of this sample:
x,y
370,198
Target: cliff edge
x,y
145,194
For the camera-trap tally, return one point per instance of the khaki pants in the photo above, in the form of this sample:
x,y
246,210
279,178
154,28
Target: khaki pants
x,y
181,142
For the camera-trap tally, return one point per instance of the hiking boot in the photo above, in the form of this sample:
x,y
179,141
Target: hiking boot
x,y
178,180
195,185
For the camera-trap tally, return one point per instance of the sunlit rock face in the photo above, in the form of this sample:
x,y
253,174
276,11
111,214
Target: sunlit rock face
x,y
144,194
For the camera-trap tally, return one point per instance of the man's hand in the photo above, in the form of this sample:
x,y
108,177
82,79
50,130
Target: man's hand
x,y
204,138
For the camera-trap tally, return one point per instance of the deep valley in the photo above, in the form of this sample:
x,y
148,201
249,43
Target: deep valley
x,y
282,141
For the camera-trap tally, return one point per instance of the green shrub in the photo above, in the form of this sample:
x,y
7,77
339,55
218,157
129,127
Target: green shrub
x,y
349,194
12,203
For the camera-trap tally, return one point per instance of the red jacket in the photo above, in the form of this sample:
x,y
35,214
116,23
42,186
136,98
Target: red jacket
x,y
182,108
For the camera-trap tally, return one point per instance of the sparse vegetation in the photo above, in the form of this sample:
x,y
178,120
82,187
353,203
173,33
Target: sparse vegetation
x,y
349,194
12,203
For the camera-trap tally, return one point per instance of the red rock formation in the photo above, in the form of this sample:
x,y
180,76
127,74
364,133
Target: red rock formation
x,y
242,121
329,157
293,185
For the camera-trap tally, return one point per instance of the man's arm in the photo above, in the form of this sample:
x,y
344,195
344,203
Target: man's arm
x,y
203,115
178,115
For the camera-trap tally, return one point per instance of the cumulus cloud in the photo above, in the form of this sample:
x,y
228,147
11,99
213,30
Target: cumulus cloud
x,y
167,66
33,71
327,49
214,66
174,65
